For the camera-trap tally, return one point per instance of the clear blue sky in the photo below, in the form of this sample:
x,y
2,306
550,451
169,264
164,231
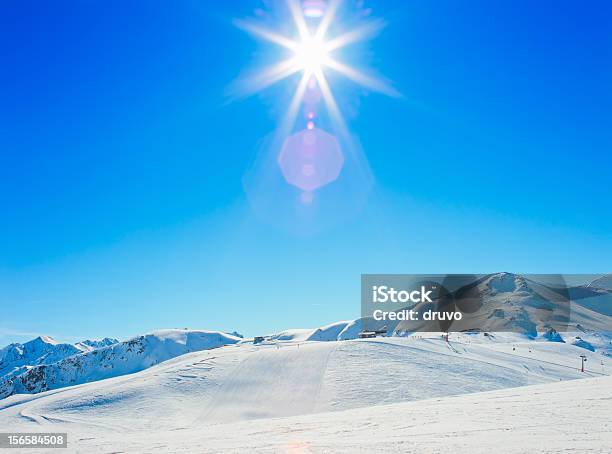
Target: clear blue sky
x,y
122,162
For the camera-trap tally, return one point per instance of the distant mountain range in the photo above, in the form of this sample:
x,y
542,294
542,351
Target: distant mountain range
x,y
16,359
43,364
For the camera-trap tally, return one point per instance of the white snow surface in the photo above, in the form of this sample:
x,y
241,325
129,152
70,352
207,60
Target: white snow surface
x,y
326,333
571,417
92,344
370,395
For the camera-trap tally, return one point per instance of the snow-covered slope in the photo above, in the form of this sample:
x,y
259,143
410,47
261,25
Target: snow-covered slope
x,y
244,381
224,398
326,333
115,359
572,417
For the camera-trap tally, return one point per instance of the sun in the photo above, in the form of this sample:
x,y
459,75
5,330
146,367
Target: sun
x,y
311,54
311,51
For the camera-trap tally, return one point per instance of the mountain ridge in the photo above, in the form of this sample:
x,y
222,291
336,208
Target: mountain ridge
x,y
112,360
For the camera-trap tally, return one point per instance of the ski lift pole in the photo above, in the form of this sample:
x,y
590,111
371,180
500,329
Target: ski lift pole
x,y
584,358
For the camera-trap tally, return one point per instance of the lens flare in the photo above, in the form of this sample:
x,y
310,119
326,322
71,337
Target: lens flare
x,y
319,158
310,159
314,8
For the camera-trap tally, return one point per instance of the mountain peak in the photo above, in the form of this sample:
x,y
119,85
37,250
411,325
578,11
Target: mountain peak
x,y
603,282
504,274
505,282
94,343
121,358
42,339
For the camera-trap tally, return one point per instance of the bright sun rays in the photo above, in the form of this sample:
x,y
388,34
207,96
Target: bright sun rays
x,y
313,158
311,51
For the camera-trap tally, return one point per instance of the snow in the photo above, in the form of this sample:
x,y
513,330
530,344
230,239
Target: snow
x,y
291,335
16,358
604,282
513,303
361,395
568,416
325,390
116,359
92,344
547,418
552,336
505,283
579,342
331,332
597,299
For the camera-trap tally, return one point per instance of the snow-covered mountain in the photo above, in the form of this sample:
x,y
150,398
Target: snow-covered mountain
x,y
331,332
92,344
597,295
16,358
603,282
77,366
506,302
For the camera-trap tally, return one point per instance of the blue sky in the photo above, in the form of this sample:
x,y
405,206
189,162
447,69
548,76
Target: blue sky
x,y
122,162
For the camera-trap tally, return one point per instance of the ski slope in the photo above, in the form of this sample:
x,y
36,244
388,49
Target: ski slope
x,y
572,416
218,393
